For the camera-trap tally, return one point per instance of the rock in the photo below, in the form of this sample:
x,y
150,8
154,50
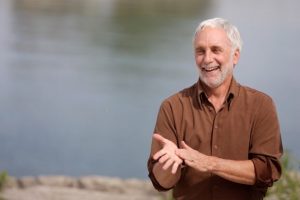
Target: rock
x,y
27,181
58,181
105,184
62,193
136,186
11,182
87,188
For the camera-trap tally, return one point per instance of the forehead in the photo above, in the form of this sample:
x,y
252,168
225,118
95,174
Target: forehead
x,y
211,37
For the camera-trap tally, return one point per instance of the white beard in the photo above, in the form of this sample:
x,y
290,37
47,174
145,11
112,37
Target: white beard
x,y
224,72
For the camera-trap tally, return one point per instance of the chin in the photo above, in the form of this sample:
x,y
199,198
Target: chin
x,y
211,83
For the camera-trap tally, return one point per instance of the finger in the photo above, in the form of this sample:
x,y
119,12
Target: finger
x,y
167,164
183,154
159,138
174,168
178,160
185,146
164,158
190,163
159,154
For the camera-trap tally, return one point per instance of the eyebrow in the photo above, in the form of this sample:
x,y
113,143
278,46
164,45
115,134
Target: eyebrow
x,y
198,48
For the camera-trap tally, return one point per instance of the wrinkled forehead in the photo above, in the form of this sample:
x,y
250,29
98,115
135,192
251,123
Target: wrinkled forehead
x,y
212,37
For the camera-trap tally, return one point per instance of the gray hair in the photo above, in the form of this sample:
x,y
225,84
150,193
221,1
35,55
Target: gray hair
x,y
231,31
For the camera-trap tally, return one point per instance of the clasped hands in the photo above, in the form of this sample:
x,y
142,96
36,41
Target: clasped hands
x,y
172,156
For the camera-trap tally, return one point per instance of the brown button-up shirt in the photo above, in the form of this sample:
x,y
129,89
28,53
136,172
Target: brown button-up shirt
x,y
245,128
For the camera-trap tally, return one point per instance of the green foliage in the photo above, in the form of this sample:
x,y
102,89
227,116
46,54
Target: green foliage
x,y
168,195
288,187
3,178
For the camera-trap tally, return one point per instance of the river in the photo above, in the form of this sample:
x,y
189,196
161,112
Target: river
x,y
81,81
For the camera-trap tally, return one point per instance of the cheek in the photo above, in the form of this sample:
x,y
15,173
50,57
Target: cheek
x,y
198,60
222,60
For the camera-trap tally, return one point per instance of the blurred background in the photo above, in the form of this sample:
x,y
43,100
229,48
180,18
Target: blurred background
x,y
81,81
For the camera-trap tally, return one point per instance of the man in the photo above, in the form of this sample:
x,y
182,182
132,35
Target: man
x,y
216,139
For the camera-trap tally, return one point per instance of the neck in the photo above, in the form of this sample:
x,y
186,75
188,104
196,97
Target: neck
x,y
217,96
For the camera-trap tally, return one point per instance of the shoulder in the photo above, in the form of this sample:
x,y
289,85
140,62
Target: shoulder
x,y
254,93
255,97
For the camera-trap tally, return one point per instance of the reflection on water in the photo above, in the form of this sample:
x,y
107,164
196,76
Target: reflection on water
x,y
81,81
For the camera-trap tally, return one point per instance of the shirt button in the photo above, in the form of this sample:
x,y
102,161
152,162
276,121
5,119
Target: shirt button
x,y
216,126
216,146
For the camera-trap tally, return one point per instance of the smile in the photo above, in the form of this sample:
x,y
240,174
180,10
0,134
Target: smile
x,y
210,69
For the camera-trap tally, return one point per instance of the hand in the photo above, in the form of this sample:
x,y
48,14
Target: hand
x,y
195,159
167,155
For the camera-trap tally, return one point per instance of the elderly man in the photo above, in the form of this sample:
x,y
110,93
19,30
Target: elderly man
x,y
216,139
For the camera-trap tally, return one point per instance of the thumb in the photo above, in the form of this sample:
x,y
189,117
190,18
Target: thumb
x,y
185,146
159,138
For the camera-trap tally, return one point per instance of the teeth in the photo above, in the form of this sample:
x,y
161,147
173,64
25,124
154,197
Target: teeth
x,y
209,69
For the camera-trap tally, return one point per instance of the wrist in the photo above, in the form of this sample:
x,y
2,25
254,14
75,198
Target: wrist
x,y
214,164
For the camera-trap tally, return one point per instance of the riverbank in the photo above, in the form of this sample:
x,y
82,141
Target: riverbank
x,y
70,188
109,188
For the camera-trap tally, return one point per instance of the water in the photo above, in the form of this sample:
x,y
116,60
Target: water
x,y
81,81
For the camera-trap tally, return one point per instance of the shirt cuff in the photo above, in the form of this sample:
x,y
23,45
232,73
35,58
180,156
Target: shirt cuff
x,y
267,170
156,184
154,181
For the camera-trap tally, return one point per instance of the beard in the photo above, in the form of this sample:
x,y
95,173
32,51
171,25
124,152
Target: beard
x,y
218,78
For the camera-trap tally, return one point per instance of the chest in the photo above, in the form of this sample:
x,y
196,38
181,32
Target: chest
x,y
225,134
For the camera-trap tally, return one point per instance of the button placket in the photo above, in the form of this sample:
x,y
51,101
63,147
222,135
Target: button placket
x,y
215,146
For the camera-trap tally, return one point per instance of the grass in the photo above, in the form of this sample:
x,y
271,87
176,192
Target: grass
x,y
3,179
288,186
168,195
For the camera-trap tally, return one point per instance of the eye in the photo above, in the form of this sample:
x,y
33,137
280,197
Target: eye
x,y
217,50
200,51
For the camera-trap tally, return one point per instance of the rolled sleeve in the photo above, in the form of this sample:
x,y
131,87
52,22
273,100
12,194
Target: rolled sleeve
x,y
165,126
155,183
267,170
266,145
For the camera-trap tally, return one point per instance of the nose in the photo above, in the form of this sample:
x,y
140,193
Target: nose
x,y
207,57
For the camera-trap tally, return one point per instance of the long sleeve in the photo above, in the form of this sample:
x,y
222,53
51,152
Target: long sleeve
x,y
267,170
266,146
164,126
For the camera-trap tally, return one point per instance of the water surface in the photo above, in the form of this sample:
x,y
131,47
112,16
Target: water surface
x,y
81,81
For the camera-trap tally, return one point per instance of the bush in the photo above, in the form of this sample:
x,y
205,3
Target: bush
x,y
3,178
288,186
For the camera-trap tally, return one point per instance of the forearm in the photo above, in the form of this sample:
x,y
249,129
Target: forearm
x,y
233,170
242,172
165,177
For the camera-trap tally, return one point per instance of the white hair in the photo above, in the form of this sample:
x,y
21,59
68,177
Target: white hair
x,y
231,31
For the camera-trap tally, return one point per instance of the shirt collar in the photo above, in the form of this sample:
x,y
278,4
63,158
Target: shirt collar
x,y
232,92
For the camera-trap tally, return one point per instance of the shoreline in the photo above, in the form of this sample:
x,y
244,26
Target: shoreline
x,y
75,188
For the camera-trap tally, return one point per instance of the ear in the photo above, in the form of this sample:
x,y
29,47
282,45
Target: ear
x,y
236,56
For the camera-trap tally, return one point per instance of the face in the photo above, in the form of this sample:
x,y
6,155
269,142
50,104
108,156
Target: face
x,y
214,57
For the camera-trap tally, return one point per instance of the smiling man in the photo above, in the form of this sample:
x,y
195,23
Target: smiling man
x,y
216,139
